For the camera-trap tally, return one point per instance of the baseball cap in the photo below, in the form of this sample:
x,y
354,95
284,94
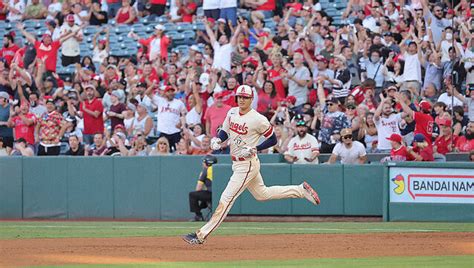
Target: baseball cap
x,y
169,88
419,138
141,84
395,137
221,20
49,99
291,99
70,118
195,48
5,95
89,86
51,23
300,123
425,105
160,27
132,107
445,122
322,58
118,126
332,100
346,131
218,95
70,17
116,93
263,34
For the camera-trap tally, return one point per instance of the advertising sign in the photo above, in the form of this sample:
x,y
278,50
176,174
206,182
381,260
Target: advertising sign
x,y
431,185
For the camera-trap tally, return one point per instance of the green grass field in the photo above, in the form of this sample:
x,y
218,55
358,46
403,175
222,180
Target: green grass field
x,y
65,229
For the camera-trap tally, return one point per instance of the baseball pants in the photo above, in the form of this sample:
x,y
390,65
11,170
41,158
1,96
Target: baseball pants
x,y
246,176
198,200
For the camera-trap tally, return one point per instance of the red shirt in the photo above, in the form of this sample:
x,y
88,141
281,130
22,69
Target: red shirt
x,y
24,131
465,145
215,116
424,125
48,53
269,6
4,15
400,154
92,125
426,153
442,143
228,97
275,77
158,2
188,17
265,102
8,53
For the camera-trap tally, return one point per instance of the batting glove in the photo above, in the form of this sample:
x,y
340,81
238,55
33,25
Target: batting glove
x,y
247,152
216,144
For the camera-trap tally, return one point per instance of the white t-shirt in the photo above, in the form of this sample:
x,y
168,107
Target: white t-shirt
x,y
349,155
303,148
300,92
445,46
56,34
70,47
20,6
146,101
386,126
99,56
227,3
412,68
222,56
155,49
210,4
52,8
169,113
193,117
245,130
444,98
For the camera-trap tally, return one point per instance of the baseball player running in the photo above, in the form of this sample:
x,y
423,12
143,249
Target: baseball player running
x,y
244,127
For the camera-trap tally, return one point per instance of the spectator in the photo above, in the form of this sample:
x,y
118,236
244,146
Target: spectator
x,y
447,98
53,9
126,14
91,111
436,22
16,9
228,10
303,148
70,128
187,10
215,115
113,7
466,143
22,148
46,50
399,152
116,110
341,80
445,141
116,145
162,147
387,123
332,122
157,7
202,196
97,16
423,120
157,44
142,123
211,9
6,111
70,47
75,146
298,79
49,128
35,10
350,152
468,100
169,112
98,148
139,146
222,47
375,69
53,30
3,149
9,47
412,69
368,132
204,149
24,123
421,150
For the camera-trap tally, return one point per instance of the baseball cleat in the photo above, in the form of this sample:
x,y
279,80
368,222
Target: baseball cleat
x,y
311,194
192,239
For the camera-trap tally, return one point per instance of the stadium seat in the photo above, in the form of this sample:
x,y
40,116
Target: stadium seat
x,y
170,27
184,26
122,29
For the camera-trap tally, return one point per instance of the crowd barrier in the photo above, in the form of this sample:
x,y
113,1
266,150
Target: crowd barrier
x,y
157,188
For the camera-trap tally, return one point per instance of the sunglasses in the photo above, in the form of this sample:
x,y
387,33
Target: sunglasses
x,y
350,108
347,137
330,104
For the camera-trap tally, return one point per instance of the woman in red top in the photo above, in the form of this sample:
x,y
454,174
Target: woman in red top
x,y
126,14
24,123
267,99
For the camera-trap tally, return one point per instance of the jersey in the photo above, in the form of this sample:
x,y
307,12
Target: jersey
x,y
387,126
206,178
424,125
303,148
245,130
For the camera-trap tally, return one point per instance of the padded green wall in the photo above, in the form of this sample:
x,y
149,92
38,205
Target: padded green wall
x,y
11,183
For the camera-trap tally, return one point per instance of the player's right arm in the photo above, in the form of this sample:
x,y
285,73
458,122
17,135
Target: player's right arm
x,y
222,134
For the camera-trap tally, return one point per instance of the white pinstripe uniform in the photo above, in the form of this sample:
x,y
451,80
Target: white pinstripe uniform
x,y
246,131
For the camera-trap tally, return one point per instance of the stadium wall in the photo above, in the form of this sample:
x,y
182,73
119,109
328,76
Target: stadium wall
x,y
158,187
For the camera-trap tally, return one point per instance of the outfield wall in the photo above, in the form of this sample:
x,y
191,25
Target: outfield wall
x,y
158,187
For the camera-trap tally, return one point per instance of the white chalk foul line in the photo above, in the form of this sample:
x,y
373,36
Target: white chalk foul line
x,y
223,228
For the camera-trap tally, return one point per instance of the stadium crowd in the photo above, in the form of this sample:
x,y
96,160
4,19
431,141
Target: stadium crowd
x,y
393,77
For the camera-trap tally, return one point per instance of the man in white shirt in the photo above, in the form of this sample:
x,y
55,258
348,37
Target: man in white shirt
x,y
447,97
386,123
412,71
169,114
350,152
16,8
222,48
70,48
302,148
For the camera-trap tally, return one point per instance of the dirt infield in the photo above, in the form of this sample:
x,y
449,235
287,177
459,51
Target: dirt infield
x,y
22,252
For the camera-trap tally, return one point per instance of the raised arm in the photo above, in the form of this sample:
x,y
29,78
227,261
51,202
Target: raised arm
x,y
406,108
28,36
209,32
235,36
